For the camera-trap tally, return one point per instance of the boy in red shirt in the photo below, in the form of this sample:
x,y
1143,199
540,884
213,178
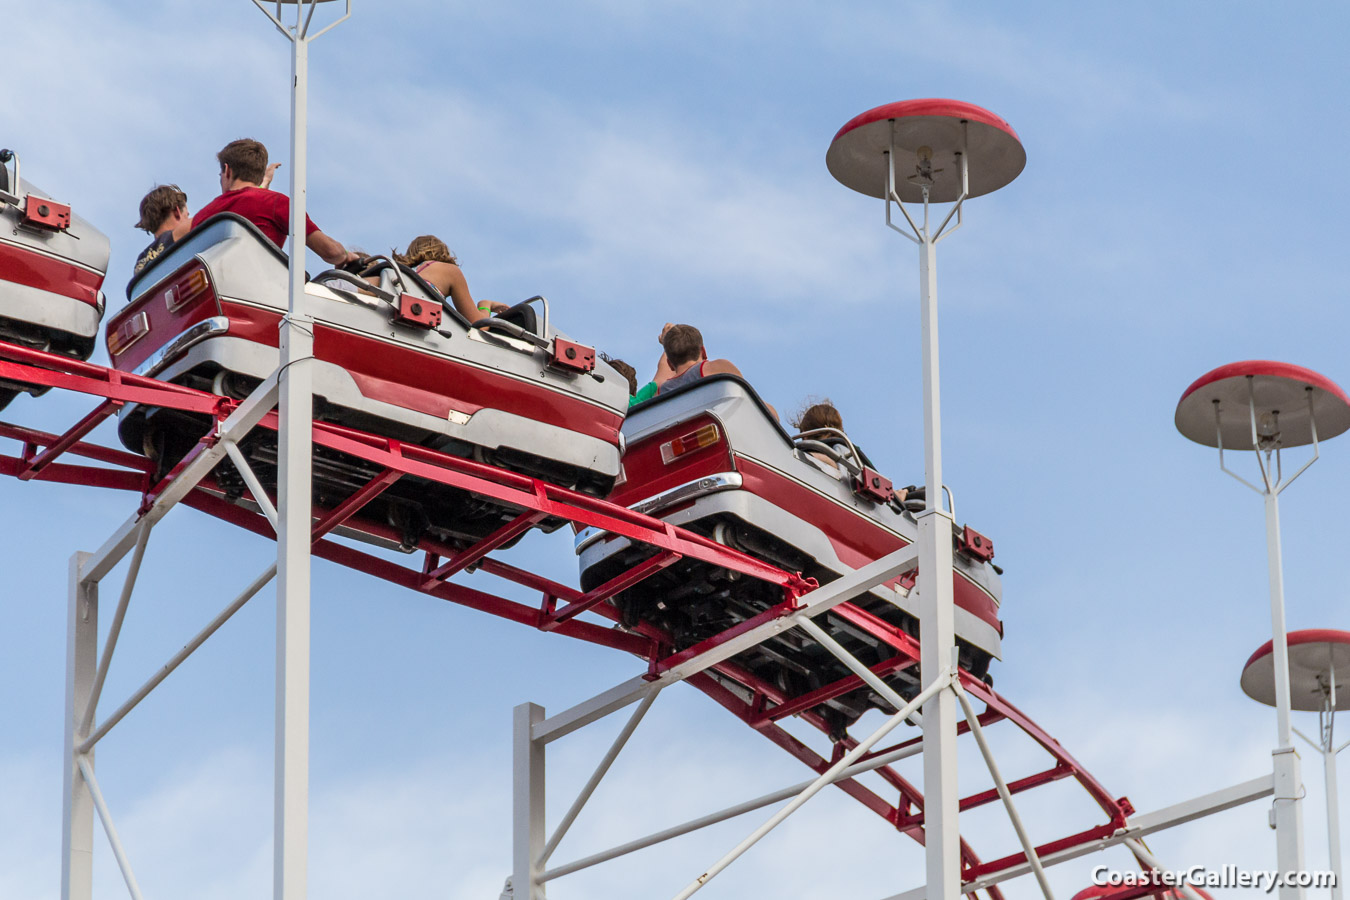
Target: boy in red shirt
x,y
243,166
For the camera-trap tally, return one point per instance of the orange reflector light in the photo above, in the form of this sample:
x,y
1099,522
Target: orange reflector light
x,y
189,288
695,440
128,333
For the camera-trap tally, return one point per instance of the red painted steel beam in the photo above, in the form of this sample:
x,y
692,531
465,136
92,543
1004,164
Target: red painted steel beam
x,y
353,504
86,378
508,532
733,704
505,487
1117,809
543,497
834,689
70,438
615,585
412,578
89,451
1073,840
659,667
87,476
1055,773
986,718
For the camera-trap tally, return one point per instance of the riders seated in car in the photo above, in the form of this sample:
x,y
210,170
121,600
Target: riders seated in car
x,y
243,168
164,215
688,361
431,258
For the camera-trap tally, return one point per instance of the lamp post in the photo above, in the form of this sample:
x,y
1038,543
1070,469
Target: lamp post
x,y
1319,681
954,151
1267,407
294,502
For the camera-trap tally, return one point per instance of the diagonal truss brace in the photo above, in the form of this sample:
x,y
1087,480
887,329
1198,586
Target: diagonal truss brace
x,y
818,601
1136,827
534,733
86,669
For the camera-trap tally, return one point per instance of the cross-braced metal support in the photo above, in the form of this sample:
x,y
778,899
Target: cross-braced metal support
x,y
87,669
534,846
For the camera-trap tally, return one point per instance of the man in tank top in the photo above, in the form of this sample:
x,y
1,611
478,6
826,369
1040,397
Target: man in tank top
x,y
689,362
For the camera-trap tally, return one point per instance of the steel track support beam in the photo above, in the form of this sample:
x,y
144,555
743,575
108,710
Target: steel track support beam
x,y
77,802
527,805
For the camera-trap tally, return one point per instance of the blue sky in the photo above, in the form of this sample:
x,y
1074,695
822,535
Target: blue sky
x,y
1181,208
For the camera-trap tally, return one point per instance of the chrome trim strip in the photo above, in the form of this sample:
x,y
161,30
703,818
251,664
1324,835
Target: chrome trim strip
x,y
206,328
690,490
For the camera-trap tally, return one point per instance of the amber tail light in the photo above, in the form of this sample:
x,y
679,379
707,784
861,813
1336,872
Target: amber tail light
x,y
128,333
694,440
188,287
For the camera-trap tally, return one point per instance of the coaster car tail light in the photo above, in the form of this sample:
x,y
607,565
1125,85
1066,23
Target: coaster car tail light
x,y
128,333
694,440
189,286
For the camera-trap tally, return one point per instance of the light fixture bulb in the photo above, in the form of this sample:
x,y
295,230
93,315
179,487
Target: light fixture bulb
x,y
1267,424
925,154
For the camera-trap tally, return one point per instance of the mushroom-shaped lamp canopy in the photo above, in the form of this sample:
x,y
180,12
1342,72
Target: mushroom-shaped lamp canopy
x,y
858,154
1281,391
1313,653
1113,892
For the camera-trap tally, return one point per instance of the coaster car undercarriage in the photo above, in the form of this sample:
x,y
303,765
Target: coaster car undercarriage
x,y
710,458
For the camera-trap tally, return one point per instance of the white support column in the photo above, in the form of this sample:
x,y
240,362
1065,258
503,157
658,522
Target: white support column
x,y
77,820
295,436
937,626
1327,732
1333,820
1287,812
528,803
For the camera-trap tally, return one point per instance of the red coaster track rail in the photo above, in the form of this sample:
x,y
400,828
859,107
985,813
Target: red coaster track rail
x,y
48,457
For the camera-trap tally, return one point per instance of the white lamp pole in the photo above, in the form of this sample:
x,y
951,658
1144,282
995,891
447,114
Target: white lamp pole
x,y
1268,407
1317,680
923,152
294,478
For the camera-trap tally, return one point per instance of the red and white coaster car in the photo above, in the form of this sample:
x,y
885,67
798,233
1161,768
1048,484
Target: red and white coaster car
x,y
709,457
401,365
52,264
